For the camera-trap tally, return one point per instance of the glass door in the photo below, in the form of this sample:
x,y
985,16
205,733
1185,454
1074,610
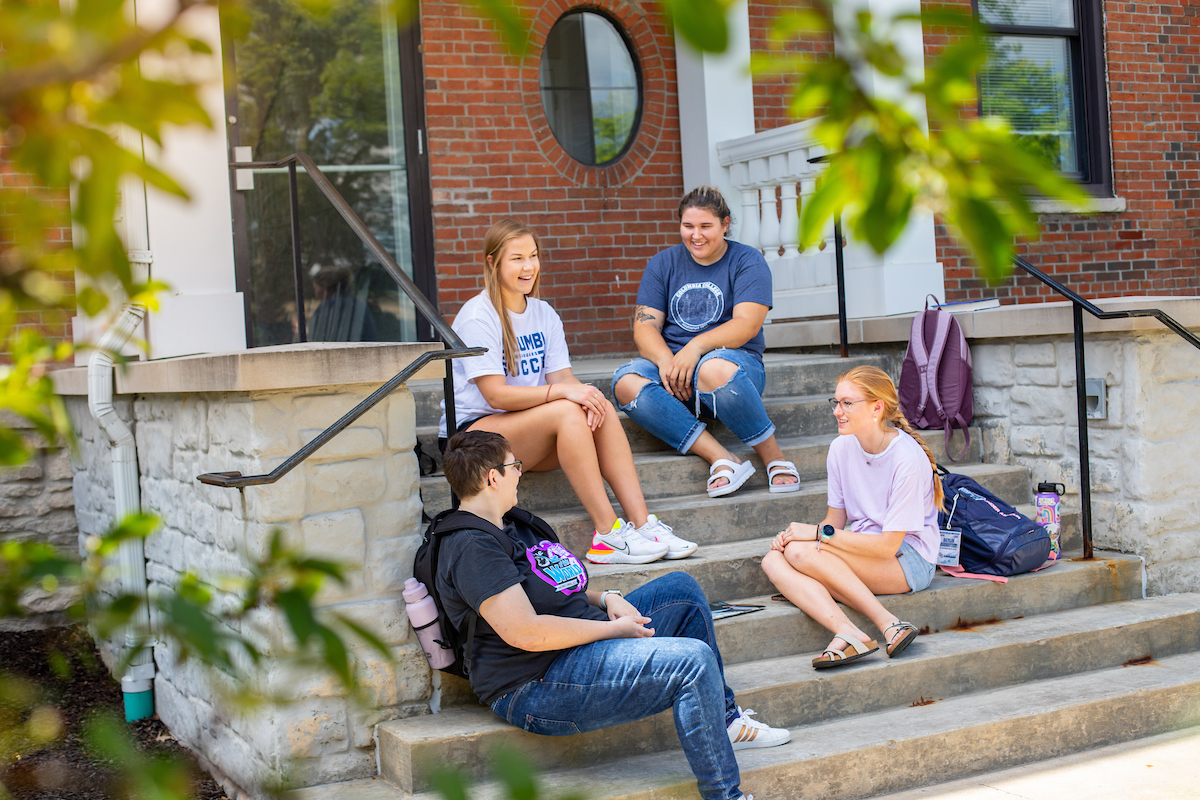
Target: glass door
x,y
332,87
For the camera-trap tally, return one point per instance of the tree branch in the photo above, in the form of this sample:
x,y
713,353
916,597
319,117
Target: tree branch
x,y
58,72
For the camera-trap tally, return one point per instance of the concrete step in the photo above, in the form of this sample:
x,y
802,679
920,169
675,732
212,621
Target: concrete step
x,y
668,474
787,374
749,513
861,756
781,629
787,692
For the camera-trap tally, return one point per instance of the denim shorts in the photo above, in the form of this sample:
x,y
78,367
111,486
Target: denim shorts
x,y
917,571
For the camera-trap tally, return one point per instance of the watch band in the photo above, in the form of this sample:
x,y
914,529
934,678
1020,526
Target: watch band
x,y
604,597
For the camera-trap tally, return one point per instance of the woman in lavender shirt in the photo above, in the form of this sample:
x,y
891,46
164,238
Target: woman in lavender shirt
x,y
880,534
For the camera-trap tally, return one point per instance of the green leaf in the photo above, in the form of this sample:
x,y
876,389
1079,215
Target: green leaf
x,y
510,24
299,614
335,656
368,636
449,783
516,773
701,23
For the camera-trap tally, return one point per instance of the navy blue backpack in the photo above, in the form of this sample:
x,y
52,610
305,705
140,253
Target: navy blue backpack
x,y
996,538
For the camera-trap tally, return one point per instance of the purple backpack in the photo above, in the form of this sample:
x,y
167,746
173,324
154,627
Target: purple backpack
x,y
935,381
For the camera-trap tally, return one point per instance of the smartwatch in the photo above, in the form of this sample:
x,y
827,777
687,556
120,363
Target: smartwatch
x,y
604,597
826,532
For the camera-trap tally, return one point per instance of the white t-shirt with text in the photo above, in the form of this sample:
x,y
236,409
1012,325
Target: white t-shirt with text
x,y
541,345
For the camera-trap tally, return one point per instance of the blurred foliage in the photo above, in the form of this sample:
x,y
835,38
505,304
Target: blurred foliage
x,y
212,624
515,772
884,161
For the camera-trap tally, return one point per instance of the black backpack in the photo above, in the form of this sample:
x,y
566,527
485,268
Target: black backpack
x,y
425,567
996,538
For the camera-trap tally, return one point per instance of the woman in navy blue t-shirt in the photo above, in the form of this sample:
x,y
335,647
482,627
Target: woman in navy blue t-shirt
x,y
698,328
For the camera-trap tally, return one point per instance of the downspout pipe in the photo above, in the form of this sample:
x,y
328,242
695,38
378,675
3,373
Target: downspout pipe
x,y
138,681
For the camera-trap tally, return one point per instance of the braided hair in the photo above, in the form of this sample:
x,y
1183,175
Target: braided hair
x,y
876,385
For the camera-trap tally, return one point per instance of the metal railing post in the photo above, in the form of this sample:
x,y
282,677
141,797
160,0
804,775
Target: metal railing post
x,y
297,264
839,260
1085,470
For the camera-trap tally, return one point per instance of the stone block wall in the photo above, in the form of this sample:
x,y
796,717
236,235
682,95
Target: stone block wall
x,y
36,503
356,500
1143,457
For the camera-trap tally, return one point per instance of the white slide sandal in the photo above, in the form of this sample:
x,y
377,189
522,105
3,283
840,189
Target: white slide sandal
x,y
736,474
782,468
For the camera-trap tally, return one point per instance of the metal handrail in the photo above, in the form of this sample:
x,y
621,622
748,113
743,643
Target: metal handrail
x,y
1078,306
236,480
456,348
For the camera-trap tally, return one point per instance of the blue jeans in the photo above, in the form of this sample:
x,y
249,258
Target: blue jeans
x,y
738,404
621,680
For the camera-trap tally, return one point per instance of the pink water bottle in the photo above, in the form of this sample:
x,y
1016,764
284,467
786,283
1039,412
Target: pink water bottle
x,y
423,614
1049,510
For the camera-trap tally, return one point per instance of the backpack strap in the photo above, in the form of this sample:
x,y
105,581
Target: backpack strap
x,y
539,525
916,346
449,522
941,338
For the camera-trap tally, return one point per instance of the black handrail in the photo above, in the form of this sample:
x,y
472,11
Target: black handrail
x,y
237,480
1078,306
456,348
840,263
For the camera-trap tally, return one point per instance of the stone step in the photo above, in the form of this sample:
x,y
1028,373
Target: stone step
x,y
752,511
668,474
864,755
787,692
787,374
781,629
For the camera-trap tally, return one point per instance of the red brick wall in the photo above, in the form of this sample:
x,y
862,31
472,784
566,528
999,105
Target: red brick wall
x,y
54,325
492,154
1153,54
772,93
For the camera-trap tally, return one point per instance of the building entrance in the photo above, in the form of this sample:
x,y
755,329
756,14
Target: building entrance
x,y
345,89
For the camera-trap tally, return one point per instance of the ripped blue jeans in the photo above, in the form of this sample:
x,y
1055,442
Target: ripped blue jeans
x,y
738,404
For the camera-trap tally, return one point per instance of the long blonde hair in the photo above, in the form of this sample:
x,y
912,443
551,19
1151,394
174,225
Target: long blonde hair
x,y
494,241
876,385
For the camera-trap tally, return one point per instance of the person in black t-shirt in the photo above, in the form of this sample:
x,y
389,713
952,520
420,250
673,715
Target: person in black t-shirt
x,y
554,656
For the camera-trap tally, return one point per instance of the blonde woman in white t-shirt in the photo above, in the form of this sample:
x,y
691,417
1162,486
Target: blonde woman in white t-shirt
x,y
880,533
523,388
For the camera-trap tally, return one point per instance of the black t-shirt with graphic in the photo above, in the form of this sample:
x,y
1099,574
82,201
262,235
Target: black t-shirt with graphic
x,y
472,566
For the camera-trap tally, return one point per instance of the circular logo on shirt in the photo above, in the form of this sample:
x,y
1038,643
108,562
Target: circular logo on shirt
x,y
697,305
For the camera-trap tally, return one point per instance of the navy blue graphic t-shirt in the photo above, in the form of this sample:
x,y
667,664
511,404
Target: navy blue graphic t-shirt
x,y
696,298
473,567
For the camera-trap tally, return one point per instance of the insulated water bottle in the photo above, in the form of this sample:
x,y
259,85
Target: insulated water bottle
x,y
423,614
1049,508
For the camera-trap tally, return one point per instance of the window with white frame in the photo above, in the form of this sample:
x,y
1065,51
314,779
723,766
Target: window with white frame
x,y
1045,76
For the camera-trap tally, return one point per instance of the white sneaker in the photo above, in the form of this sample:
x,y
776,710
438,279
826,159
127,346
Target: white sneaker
x,y
655,530
745,733
622,545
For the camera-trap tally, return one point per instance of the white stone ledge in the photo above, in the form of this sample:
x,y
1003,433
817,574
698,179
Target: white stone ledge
x,y
1007,322
263,369
1096,205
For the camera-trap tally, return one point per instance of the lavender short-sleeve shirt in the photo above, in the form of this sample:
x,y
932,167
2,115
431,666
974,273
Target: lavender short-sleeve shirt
x,y
891,491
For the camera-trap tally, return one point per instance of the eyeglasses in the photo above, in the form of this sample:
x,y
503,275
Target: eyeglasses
x,y
845,404
516,464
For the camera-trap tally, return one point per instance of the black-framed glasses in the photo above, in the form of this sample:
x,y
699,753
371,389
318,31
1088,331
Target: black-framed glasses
x,y
845,404
516,464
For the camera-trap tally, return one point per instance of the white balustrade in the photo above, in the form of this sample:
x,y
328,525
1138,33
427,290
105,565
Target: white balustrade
x,y
779,162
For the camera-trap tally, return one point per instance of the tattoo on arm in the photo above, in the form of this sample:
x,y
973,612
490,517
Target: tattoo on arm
x,y
642,314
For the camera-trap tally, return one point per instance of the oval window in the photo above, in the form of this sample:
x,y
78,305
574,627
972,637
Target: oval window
x,y
590,88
